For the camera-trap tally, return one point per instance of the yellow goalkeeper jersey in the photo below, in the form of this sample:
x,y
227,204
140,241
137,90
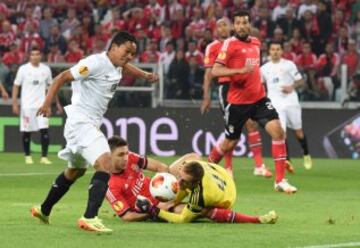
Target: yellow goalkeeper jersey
x,y
217,189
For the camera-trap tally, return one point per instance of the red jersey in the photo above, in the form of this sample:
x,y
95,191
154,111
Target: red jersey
x,y
124,187
244,88
211,52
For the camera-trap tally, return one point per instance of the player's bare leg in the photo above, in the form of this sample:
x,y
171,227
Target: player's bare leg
x,y
255,145
97,190
300,136
278,136
58,189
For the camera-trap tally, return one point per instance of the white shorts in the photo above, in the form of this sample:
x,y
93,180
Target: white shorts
x,y
85,143
290,117
29,122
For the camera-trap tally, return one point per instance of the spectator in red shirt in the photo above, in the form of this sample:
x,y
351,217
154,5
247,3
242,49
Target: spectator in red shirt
x,y
7,36
264,24
296,41
74,53
288,52
31,37
307,59
178,24
150,53
54,55
29,20
194,52
13,57
351,58
328,65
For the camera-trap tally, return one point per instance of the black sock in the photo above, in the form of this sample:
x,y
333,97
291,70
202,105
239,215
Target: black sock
x,y
57,191
26,142
97,190
304,145
44,141
287,150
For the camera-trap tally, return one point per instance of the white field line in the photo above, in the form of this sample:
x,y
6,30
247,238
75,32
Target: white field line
x,y
343,245
28,174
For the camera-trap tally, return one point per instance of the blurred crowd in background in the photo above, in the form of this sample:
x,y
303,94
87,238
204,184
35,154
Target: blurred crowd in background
x,y
318,35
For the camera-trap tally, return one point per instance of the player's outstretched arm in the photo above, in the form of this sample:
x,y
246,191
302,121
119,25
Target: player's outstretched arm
x,y
59,81
220,70
156,166
132,216
137,72
206,102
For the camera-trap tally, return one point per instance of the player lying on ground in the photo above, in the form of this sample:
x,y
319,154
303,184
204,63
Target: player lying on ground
x,y
128,181
94,81
212,194
212,50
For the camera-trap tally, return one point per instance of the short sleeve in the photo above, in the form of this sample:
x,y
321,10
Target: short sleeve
x,y
117,201
209,58
49,78
294,72
225,53
85,68
19,77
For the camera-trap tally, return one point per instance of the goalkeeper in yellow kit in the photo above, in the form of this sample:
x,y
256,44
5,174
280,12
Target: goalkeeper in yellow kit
x,y
212,194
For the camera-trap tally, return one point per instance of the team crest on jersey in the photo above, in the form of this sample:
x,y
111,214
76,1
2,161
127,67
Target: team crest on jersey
x,y
113,87
206,60
135,167
83,70
231,128
118,205
222,55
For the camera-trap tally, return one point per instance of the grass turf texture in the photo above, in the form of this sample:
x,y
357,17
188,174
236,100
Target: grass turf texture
x,y
324,211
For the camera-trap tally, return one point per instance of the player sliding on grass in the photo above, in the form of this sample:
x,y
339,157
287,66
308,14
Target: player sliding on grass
x,y
128,181
94,81
212,194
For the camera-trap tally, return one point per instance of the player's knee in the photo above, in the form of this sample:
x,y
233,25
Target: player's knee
x,y
73,174
251,126
104,163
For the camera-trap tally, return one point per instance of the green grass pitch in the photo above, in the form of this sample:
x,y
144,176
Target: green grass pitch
x,y
326,210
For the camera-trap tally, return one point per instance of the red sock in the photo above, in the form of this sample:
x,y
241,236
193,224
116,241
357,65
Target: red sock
x,y
216,154
255,145
279,156
228,160
227,216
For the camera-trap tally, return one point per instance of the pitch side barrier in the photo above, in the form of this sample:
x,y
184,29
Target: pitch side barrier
x,y
176,131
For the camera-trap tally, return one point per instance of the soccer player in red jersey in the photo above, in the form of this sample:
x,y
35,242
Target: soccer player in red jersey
x,y
223,27
128,181
239,59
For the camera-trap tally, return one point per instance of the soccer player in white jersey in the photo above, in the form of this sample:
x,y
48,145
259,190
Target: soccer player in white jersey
x,y
282,78
34,78
94,81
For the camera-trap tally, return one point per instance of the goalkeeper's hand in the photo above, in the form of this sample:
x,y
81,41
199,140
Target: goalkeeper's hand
x,y
143,205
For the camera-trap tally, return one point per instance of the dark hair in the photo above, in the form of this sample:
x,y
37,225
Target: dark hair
x,y
195,170
241,13
121,38
34,49
276,43
116,141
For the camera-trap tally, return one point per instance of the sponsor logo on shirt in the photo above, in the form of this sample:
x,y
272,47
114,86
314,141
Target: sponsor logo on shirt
x,y
35,82
222,55
252,61
83,70
118,205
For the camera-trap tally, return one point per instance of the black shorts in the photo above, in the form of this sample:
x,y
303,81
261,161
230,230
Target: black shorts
x,y
236,115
